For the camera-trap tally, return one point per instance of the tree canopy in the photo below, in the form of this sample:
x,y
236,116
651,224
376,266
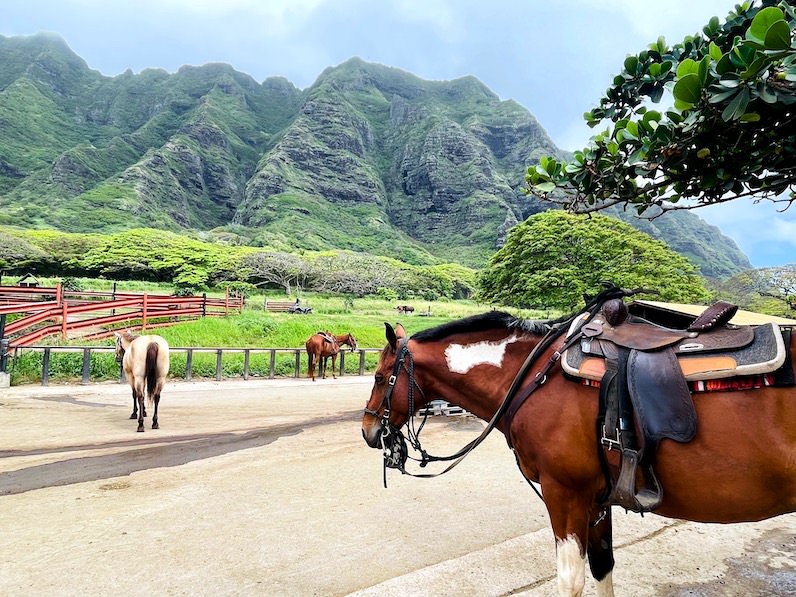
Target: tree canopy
x,y
554,258
731,132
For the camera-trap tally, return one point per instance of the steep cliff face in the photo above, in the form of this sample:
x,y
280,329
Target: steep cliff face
x,y
369,158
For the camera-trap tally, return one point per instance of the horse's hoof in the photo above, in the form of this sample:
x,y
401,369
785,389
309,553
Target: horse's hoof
x,y
134,416
155,426
140,429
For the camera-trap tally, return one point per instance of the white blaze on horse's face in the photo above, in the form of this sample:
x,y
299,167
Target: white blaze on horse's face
x,y
463,357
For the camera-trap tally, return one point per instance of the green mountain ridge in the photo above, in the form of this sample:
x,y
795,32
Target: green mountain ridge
x,y
368,158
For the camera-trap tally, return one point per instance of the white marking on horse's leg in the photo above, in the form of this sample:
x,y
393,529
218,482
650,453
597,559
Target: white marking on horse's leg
x,y
571,563
605,587
463,357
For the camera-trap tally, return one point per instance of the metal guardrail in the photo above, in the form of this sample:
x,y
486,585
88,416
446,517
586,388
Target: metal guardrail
x,y
298,361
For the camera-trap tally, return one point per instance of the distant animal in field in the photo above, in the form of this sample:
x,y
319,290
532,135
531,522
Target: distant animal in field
x,y
145,360
405,309
322,346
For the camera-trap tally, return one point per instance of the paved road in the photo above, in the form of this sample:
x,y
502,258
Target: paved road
x,y
265,487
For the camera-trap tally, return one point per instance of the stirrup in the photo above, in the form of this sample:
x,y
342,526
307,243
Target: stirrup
x,y
624,492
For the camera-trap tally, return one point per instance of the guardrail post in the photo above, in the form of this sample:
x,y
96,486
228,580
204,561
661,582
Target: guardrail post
x,y
218,364
189,365
246,364
362,362
298,364
45,368
272,365
86,366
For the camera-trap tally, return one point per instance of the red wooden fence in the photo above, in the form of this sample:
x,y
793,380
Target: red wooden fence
x,y
90,315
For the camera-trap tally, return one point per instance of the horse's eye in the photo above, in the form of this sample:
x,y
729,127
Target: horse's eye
x,y
379,378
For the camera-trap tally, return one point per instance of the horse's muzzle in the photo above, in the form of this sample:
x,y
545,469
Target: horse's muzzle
x,y
371,433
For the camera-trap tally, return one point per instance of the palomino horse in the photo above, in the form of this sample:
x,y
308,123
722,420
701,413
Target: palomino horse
x,y
145,360
739,467
324,345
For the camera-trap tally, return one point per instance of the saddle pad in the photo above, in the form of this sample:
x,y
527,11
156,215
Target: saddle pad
x,y
766,353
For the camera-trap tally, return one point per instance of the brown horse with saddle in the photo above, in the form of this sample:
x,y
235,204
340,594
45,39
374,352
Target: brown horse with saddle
x,y
323,345
605,408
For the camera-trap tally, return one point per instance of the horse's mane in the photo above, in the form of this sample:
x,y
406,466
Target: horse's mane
x,y
480,323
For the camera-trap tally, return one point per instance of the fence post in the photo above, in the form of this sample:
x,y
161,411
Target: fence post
x,y
204,304
144,314
64,319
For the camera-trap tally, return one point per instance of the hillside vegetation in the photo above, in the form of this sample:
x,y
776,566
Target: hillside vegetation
x,y
369,159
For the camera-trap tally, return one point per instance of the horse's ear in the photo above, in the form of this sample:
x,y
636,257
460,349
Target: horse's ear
x,y
392,339
400,331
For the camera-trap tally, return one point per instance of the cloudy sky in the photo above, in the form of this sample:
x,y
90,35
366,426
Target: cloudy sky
x,y
554,58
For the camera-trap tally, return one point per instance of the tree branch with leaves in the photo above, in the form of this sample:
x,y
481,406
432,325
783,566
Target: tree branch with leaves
x,y
731,132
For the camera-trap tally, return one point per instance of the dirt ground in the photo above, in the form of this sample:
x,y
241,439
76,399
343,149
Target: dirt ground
x,y
265,487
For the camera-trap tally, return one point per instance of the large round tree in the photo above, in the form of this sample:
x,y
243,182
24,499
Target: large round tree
x,y
731,132
553,258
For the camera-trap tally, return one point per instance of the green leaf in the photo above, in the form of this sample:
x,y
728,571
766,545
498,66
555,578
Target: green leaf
x,y
688,89
687,66
737,107
631,64
712,27
765,94
778,36
725,65
750,117
715,51
761,23
545,187
722,96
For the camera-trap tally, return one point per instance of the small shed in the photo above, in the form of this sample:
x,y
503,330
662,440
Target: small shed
x,y
28,281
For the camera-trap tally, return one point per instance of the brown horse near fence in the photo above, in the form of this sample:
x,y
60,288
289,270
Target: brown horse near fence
x,y
145,360
740,466
322,346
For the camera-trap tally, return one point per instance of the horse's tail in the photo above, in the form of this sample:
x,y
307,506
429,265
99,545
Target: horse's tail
x,y
151,371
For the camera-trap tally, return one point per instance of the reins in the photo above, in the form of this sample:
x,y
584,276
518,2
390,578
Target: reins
x,y
392,440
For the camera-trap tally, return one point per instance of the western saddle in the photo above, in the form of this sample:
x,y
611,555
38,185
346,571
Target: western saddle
x,y
643,369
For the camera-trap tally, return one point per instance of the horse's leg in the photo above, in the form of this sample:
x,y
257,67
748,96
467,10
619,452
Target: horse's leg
x,y
569,517
334,366
140,398
600,550
156,398
135,406
311,372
